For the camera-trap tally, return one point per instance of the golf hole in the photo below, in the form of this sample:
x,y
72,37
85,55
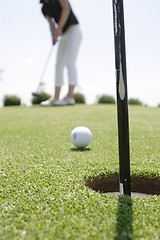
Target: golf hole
x,y
140,185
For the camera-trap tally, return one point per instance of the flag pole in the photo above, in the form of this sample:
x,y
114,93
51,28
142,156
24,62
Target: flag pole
x,y
122,98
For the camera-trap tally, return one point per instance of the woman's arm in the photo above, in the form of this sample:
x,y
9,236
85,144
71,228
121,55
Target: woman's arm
x,y
63,18
52,27
56,32
64,14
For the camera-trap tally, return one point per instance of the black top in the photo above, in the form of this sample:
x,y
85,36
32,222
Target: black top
x,y
53,9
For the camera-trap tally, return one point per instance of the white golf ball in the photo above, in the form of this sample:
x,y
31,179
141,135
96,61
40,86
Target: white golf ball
x,y
81,137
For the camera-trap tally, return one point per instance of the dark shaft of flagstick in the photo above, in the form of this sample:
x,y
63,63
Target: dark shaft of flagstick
x,y
122,103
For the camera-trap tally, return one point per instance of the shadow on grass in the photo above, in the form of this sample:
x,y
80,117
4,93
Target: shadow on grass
x,y
141,186
124,229
80,149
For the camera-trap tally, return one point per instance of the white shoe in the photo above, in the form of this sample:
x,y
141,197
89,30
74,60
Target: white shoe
x,y
48,102
63,102
69,101
59,103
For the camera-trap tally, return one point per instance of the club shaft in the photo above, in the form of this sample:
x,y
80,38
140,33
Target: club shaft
x,y
46,64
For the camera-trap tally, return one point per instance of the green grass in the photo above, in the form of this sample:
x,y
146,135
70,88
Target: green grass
x,y
42,182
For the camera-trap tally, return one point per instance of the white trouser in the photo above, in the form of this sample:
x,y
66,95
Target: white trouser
x,y
67,55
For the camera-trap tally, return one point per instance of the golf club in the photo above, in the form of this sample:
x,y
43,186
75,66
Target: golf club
x,y
41,83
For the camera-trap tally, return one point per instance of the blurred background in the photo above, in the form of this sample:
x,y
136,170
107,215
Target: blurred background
x,y
25,42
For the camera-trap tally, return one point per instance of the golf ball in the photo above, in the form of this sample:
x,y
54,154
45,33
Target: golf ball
x,y
81,137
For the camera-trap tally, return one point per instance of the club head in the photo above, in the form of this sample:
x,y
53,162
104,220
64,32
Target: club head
x,y
39,90
35,94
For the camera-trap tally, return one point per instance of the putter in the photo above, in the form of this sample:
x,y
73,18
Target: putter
x,y
41,83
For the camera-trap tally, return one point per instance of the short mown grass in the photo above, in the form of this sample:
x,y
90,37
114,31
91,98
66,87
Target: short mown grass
x,y
42,176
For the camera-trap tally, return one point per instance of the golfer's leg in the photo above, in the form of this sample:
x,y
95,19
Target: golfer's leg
x,y
59,69
74,39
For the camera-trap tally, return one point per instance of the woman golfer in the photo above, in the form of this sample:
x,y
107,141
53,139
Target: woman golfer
x,y
64,27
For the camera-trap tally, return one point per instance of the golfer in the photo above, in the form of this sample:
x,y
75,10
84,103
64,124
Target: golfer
x,y
65,31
